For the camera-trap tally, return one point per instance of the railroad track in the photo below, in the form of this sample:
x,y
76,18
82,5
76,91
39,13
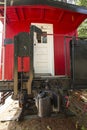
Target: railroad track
x,y
78,105
4,96
78,102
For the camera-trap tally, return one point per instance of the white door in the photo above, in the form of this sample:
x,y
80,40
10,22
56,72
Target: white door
x,y
43,50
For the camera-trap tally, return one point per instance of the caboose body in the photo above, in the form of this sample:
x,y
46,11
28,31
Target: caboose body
x,y
50,63
56,20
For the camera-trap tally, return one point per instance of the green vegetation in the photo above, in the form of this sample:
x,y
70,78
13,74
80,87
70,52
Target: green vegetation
x,y
82,30
82,2
83,128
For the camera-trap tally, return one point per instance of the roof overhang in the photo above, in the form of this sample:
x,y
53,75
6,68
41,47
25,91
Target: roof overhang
x,y
65,17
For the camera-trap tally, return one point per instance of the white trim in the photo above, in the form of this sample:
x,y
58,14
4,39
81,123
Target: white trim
x,y
52,53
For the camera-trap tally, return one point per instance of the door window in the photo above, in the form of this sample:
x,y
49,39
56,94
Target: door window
x,y
42,38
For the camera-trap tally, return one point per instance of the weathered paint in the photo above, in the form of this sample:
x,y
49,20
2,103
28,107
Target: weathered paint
x,y
20,18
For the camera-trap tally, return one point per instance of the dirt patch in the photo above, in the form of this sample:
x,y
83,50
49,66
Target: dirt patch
x,y
44,124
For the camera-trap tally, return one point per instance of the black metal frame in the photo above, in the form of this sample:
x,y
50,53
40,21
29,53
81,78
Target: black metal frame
x,y
76,83
23,47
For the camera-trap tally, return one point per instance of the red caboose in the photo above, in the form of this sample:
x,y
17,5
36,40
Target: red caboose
x,y
40,53
56,19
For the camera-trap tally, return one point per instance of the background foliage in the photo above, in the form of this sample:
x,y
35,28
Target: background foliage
x,y
82,30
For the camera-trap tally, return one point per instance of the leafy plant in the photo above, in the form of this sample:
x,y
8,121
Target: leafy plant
x,y
82,30
83,128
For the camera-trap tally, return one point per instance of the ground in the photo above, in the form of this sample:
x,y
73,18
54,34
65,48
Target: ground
x,y
10,111
53,123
